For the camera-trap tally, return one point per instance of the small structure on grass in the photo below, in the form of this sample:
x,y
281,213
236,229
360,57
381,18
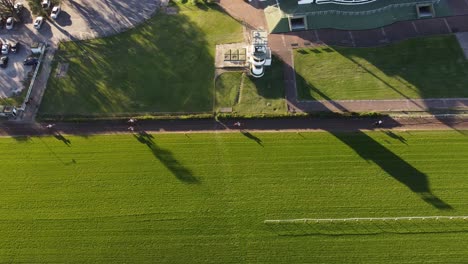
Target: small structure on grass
x,y
254,55
232,56
62,69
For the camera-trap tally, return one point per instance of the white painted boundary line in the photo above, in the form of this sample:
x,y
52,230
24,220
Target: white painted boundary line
x,y
279,221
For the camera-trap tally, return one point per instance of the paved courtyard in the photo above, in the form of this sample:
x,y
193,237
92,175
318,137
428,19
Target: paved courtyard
x,y
79,19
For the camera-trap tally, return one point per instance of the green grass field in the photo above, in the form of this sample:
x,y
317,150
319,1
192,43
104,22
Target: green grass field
x,y
202,198
248,95
419,68
164,65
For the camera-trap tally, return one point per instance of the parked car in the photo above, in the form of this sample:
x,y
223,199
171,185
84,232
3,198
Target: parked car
x,y
5,48
10,22
4,61
45,4
55,12
38,22
14,46
30,61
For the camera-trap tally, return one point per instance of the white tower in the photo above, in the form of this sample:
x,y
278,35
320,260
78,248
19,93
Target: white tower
x,y
260,53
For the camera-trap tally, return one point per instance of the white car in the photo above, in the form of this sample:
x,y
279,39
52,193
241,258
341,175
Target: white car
x,y
10,23
45,4
38,22
55,12
5,48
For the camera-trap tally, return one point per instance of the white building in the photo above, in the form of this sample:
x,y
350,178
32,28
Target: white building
x,y
259,53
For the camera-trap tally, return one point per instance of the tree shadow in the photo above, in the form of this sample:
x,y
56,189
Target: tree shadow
x,y
152,44
64,19
73,161
393,165
307,90
371,150
421,74
59,27
252,137
26,16
270,85
433,68
22,139
167,159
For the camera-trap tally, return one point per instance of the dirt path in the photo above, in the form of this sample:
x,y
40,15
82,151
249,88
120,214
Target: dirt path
x,y
264,125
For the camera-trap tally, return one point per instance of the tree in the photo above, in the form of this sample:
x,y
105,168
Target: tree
x,y
7,8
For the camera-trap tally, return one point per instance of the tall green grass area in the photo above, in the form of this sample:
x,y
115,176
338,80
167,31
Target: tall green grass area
x,y
164,65
202,198
432,67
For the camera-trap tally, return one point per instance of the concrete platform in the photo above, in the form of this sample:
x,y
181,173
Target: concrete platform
x,y
222,50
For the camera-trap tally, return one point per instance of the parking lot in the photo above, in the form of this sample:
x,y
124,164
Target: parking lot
x,y
78,19
11,77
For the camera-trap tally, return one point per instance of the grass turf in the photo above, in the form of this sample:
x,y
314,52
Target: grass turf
x,y
257,96
419,68
202,198
164,65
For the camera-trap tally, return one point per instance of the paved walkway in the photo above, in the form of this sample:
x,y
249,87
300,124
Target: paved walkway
x,y
30,111
382,105
251,14
283,44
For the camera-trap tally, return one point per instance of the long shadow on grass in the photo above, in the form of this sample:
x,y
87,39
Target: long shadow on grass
x,y
252,137
372,150
432,68
393,165
270,86
163,65
167,159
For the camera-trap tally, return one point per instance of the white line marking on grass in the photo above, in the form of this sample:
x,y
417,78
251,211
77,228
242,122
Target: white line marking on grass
x,y
363,219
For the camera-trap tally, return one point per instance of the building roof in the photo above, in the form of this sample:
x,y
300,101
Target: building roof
x,y
292,6
345,16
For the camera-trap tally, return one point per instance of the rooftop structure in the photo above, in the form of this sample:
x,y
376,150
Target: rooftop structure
x,y
260,53
291,15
